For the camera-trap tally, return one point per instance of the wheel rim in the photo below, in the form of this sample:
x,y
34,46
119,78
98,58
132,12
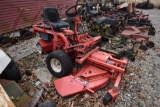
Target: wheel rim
x,y
39,48
56,65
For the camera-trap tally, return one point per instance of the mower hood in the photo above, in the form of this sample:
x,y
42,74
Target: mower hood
x,y
4,60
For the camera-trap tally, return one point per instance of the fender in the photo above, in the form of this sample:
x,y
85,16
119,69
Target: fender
x,y
64,39
35,28
68,31
4,60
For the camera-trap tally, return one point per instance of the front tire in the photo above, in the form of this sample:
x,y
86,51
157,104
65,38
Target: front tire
x,y
59,63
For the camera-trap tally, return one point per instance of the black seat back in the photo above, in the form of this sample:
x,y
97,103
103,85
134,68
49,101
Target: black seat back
x,y
90,10
51,14
89,6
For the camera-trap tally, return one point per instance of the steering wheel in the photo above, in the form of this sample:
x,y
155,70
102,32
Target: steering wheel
x,y
73,12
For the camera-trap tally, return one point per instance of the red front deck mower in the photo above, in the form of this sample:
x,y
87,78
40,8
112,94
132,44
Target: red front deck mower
x,y
92,69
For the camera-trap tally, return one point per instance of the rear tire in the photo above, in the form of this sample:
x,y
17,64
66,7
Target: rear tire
x,y
59,63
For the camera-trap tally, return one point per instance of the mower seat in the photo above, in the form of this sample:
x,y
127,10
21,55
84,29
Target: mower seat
x,y
51,14
47,27
89,7
59,24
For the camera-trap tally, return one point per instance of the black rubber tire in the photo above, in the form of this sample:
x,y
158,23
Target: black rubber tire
x,y
64,60
11,72
151,31
150,44
47,104
145,5
143,47
131,57
107,98
112,30
28,72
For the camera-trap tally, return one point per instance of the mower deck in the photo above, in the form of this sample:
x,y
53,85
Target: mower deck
x,y
95,74
88,79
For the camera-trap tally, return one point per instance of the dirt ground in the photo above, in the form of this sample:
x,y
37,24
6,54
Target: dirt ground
x,y
139,86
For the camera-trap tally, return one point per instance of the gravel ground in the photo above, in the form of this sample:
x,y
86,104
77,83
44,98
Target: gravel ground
x,y
22,48
139,86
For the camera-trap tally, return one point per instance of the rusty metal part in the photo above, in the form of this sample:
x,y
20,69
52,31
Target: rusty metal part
x,y
34,85
120,52
8,41
25,34
31,91
20,98
36,97
5,101
14,91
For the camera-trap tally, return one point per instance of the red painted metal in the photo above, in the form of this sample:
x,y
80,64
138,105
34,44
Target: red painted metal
x,y
92,79
135,34
129,31
86,56
59,38
93,76
112,63
68,31
10,9
46,45
83,42
139,37
113,93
